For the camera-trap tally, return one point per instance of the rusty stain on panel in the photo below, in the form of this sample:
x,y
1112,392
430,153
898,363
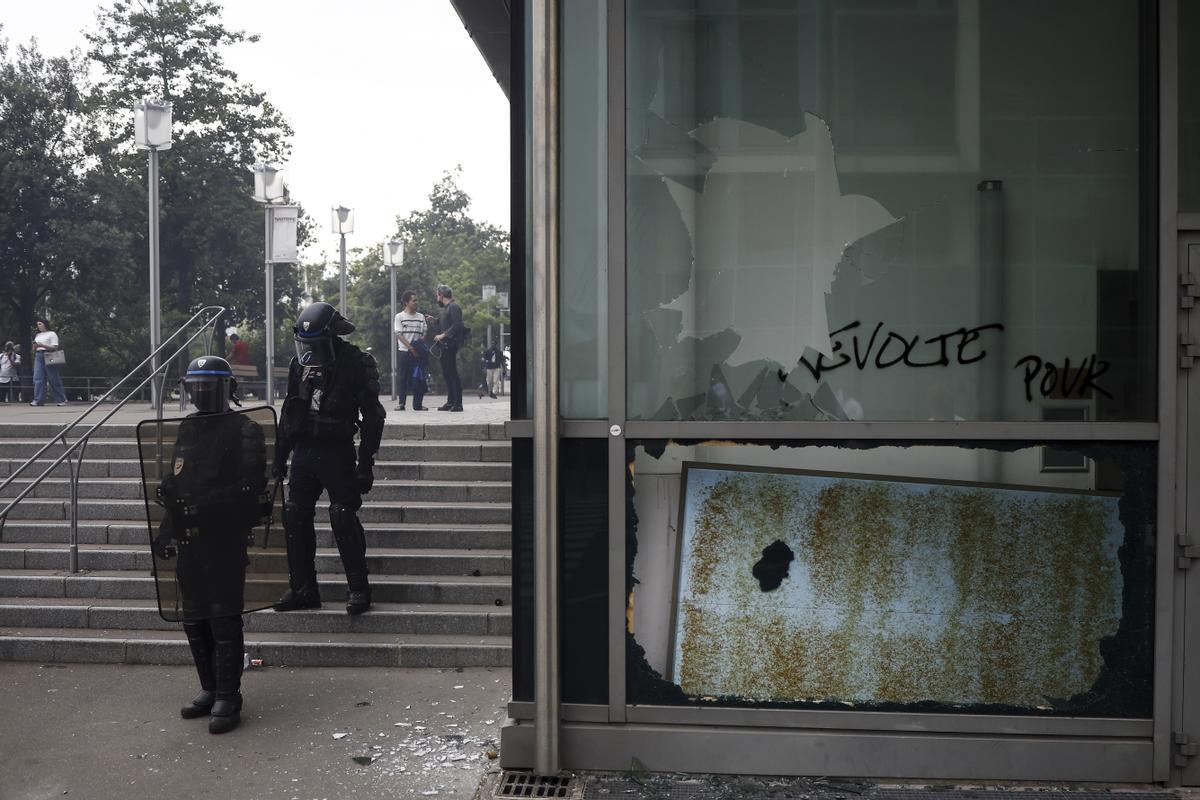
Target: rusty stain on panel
x,y
900,591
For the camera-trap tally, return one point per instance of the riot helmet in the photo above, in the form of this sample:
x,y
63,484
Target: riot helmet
x,y
315,330
210,384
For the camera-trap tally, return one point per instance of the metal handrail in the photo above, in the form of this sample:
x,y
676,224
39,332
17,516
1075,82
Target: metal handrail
x,y
75,465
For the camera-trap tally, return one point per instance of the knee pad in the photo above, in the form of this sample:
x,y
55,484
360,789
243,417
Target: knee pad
x,y
297,514
226,628
343,519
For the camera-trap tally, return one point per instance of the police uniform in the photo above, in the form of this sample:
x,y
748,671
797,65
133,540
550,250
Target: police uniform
x,y
333,391
213,496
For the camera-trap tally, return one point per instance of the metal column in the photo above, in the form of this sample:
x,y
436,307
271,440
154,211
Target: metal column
x,y
342,287
395,336
155,290
269,301
544,256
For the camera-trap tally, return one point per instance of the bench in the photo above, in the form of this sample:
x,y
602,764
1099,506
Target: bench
x,y
248,378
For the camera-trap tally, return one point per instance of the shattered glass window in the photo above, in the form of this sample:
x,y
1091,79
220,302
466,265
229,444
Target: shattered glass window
x,y
848,210
967,578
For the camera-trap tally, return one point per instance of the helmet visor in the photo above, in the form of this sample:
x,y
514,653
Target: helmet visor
x,y
208,396
314,351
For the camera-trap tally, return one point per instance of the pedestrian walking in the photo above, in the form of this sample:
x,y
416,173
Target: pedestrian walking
x,y
493,364
10,376
48,356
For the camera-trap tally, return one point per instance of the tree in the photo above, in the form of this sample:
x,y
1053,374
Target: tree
x,y
56,228
211,229
443,245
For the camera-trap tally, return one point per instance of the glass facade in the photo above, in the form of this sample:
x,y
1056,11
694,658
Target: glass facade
x,y
903,210
944,215
583,257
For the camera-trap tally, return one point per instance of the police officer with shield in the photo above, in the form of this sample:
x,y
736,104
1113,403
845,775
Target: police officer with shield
x,y
333,391
213,493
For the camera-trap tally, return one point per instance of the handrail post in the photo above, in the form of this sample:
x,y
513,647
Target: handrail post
x,y
75,464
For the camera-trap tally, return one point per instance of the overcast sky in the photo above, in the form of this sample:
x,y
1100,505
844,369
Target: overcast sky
x,y
384,96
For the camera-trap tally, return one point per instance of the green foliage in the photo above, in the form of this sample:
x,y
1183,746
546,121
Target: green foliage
x,y
59,238
442,245
74,215
211,229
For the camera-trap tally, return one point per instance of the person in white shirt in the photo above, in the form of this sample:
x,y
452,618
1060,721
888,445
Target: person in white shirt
x,y
46,341
410,329
10,381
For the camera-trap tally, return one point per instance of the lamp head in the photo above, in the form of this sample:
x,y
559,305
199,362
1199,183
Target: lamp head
x,y
152,124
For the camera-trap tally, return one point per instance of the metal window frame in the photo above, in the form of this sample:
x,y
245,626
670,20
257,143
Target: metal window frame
x,y
1140,748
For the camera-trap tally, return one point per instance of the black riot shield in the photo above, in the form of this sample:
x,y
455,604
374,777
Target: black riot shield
x,y
210,503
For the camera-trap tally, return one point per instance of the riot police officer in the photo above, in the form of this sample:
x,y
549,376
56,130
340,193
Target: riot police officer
x,y
333,390
213,495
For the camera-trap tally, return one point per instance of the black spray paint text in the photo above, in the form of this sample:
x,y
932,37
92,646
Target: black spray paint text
x,y
934,351
959,346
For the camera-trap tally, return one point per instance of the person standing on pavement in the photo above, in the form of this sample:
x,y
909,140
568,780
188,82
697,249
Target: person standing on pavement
x,y
10,378
46,341
449,336
332,392
410,328
214,494
493,363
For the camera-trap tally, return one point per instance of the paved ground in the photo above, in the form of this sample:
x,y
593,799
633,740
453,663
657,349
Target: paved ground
x,y
475,410
112,731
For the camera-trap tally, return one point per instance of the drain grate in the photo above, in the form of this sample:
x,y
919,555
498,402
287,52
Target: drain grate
x,y
519,785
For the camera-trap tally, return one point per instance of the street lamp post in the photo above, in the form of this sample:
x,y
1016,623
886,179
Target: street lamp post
x,y
269,189
152,132
343,223
393,256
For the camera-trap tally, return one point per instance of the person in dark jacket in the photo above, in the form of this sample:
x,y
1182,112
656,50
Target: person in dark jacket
x,y
450,336
333,391
213,496
493,365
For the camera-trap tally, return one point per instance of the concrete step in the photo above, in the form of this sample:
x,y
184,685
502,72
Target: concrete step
x,y
454,589
384,470
48,510
392,490
390,450
134,532
394,618
60,645
393,429
272,561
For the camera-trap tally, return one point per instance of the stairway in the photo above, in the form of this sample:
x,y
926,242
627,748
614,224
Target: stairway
x,y
438,545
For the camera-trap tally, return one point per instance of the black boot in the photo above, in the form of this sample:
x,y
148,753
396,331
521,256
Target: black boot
x,y
200,640
301,539
358,594
297,599
351,543
227,666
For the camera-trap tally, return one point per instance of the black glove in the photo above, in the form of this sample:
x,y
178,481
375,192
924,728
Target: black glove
x,y
366,476
164,547
279,470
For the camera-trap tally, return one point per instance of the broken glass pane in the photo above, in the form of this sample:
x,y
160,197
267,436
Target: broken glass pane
x,y
928,578
931,229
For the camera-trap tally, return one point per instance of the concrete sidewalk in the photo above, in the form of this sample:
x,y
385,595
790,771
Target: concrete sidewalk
x,y
476,410
109,731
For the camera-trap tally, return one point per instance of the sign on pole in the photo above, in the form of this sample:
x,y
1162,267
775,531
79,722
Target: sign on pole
x,y
489,291
284,220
